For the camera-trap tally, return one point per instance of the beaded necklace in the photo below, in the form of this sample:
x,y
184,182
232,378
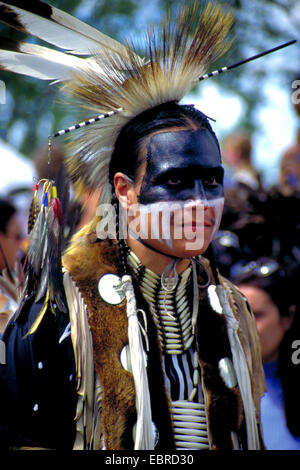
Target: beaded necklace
x,y
170,307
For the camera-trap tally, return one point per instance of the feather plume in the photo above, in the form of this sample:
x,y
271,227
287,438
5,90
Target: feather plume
x,y
40,316
55,277
38,61
114,76
57,27
33,210
38,240
44,278
178,52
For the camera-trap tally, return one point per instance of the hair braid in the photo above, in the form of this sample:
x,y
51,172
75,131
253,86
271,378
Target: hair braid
x,y
121,242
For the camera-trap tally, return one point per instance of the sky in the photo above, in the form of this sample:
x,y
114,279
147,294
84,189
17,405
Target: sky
x,y
277,123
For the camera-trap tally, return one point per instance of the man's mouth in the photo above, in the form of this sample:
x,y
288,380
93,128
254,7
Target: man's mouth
x,y
196,225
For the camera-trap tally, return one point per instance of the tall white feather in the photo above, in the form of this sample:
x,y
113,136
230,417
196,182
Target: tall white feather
x,y
241,369
38,61
58,28
177,52
144,432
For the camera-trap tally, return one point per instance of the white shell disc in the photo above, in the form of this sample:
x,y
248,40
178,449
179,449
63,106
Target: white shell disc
x,y
108,289
125,358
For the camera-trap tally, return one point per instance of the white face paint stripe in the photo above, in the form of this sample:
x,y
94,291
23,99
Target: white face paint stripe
x,y
182,216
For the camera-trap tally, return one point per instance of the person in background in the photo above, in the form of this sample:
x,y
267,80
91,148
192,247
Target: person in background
x,y
11,238
272,298
289,177
237,155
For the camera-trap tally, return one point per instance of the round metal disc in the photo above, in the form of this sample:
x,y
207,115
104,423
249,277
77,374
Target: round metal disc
x,y
108,289
125,358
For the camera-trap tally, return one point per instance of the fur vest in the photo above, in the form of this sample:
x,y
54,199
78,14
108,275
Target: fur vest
x,y
86,263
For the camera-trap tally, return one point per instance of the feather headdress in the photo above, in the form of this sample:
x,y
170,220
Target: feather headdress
x,y
177,54
114,79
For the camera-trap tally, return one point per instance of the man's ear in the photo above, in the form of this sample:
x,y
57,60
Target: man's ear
x,y
123,189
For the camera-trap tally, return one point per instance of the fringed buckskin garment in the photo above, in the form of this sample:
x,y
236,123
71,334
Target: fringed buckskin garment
x,y
115,394
67,385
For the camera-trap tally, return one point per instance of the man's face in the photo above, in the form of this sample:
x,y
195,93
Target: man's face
x,y
180,192
271,326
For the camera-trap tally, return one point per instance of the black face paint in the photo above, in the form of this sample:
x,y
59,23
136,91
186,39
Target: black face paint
x,y
182,165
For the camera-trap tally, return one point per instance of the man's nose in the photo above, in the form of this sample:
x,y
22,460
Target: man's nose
x,y
199,191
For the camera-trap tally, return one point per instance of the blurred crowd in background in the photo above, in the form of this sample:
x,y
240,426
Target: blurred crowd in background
x,y
258,249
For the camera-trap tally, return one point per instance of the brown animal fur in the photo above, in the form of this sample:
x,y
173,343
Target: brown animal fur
x,y
87,263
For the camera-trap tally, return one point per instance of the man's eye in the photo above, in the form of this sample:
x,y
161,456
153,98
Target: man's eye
x,y
210,181
174,181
